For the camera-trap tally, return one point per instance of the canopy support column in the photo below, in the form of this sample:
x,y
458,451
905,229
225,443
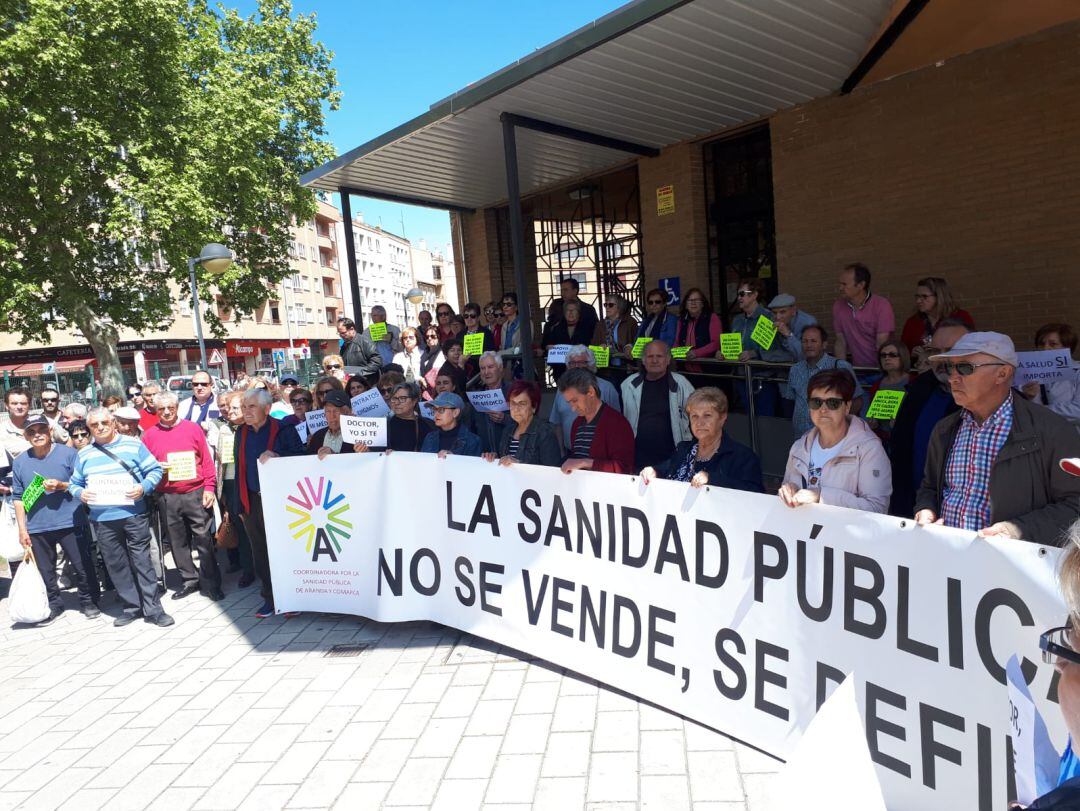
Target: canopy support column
x,y
350,257
517,243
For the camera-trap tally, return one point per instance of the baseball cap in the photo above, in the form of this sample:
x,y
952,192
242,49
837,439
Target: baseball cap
x,y
126,413
447,400
988,343
34,422
783,300
286,379
1071,466
336,398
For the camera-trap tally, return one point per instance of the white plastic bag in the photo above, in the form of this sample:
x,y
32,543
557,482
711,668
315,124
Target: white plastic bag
x,y
10,548
27,600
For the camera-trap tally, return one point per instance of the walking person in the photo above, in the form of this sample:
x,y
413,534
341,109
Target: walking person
x,y
120,524
51,519
186,496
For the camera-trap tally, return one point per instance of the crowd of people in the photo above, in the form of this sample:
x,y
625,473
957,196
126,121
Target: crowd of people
x,y
966,449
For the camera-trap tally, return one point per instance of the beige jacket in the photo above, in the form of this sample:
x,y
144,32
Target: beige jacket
x,y
859,476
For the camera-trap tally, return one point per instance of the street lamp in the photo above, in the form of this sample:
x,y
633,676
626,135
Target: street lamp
x,y
215,258
414,296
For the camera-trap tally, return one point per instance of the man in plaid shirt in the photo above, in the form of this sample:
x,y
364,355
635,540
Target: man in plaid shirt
x,y
992,466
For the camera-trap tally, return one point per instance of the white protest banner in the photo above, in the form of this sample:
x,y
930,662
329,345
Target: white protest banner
x,y
315,420
111,491
1035,760
488,400
1044,366
557,353
370,431
302,432
370,404
724,606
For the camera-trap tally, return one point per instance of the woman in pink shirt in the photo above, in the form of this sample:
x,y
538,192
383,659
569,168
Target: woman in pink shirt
x,y
699,328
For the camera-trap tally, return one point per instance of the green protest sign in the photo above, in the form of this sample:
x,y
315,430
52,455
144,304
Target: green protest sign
x,y
377,331
34,491
474,343
639,347
885,405
602,355
731,345
764,332
679,352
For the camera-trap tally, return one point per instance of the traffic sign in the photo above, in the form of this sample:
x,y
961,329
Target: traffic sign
x,y
48,368
215,358
671,286
279,356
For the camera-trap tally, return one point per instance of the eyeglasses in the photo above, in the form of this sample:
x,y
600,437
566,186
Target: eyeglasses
x,y
888,355
1057,643
331,365
695,300
744,293
832,403
609,304
80,435
509,304
400,400
323,392
442,409
964,368
655,301
96,426
409,337
432,336
302,400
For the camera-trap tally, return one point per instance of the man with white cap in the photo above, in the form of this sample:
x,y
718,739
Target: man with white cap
x,y
790,322
993,465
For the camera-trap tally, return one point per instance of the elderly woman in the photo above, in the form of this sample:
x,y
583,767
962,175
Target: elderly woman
x,y
616,330
712,457
324,384
301,401
410,355
79,433
334,366
451,436
233,413
327,441
431,361
526,438
569,331
455,353
405,429
839,461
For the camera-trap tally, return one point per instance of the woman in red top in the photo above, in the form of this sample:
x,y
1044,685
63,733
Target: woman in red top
x,y
699,328
933,302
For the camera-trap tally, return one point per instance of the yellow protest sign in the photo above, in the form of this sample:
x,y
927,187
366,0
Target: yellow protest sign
x,y
474,343
602,355
665,200
764,332
639,347
377,331
731,345
885,405
181,466
228,440
679,352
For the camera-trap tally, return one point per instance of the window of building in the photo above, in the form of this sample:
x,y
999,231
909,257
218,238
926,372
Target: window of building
x,y
275,313
331,316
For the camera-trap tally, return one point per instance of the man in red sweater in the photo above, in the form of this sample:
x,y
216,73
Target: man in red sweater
x,y
600,439
186,496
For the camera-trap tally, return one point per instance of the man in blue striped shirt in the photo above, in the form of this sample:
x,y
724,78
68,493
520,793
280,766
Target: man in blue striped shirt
x,y
112,476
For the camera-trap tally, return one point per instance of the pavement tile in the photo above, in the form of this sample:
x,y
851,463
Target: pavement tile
x,y
514,779
474,758
616,731
385,759
133,762
298,762
490,717
526,734
212,763
663,752
408,721
272,744
566,754
87,799
665,792
714,776
355,741
440,738
269,798
574,714
176,799
417,782
455,795
609,777
359,796
323,785
458,702
144,786
537,697
559,793
233,787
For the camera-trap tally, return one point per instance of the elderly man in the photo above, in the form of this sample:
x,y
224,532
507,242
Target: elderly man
x,y
600,438
489,425
863,321
390,343
202,408
359,351
815,359
72,412
127,421
654,403
148,416
562,416
790,322
259,439
185,496
53,518
993,466
113,475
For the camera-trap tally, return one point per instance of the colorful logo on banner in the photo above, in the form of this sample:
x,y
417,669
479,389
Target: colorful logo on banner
x,y
320,521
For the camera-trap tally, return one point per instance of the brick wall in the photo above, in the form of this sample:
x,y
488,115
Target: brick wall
x,y
969,170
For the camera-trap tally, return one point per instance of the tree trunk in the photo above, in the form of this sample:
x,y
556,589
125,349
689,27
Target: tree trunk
x,y
103,339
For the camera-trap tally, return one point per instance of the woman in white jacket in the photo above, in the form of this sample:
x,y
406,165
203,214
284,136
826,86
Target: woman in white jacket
x,y
1061,396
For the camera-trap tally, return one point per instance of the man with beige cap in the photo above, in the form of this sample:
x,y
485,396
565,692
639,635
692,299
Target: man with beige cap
x,y
992,466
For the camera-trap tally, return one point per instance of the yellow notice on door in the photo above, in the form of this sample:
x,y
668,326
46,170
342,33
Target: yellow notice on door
x,y
665,200
181,466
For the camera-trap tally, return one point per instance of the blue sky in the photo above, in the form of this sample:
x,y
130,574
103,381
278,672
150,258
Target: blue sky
x,y
395,59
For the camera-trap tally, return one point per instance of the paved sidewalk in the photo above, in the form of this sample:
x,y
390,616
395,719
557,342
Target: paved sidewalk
x,y
225,711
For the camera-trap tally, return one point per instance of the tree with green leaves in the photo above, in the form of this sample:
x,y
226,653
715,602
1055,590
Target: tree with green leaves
x,y
135,131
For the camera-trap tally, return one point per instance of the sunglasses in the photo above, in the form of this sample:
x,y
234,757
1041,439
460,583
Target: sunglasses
x,y
489,312
1057,643
386,391
470,316
508,304
745,293
443,313
50,399
888,354
323,392
200,384
832,403
80,435
331,365
609,304
302,400
964,368
432,337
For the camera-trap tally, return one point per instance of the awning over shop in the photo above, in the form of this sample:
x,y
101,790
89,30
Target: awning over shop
x,y
61,366
652,73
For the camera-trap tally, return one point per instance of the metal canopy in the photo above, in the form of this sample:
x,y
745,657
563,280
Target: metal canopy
x,y
654,72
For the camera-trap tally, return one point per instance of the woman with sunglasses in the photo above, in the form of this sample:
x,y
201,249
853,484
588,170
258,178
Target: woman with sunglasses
x,y
510,336
895,364
443,313
334,366
323,385
409,356
839,461
699,328
658,323
616,330
431,360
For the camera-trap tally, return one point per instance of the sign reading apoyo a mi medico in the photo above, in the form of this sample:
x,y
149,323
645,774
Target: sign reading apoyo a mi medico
x,y
724,606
